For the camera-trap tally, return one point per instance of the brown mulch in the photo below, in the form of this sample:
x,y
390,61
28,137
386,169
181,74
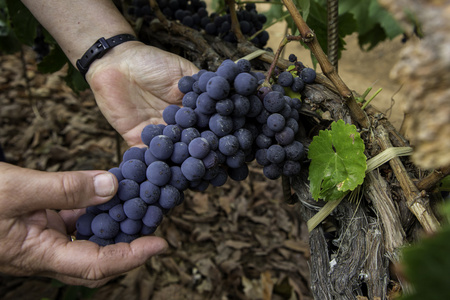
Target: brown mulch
x,y
239,241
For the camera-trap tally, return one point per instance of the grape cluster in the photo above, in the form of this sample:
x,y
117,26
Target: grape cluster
x,y
194,14
223,125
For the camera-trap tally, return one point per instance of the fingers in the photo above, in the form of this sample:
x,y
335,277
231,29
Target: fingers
x,y
30,190
86,261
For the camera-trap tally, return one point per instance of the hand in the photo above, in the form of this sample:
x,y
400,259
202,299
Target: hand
x,y
132,85
34,238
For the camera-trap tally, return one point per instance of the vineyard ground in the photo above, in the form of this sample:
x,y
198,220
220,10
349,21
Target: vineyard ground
x,y
239,241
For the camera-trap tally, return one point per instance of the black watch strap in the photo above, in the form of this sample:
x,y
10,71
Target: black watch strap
x,y
99,49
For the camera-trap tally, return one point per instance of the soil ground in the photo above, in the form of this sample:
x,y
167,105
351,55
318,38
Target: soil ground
x,y
237,242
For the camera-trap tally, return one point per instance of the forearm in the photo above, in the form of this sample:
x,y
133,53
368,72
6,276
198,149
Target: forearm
x,y
77,24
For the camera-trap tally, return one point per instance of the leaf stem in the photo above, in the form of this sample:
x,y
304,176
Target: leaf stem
x,y
371,98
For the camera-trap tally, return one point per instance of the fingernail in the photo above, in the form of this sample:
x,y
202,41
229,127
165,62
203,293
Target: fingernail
x,y
104,184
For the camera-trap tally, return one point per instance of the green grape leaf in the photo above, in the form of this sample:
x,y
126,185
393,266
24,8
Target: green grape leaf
x,y
444,185
338,163
53,62
23,22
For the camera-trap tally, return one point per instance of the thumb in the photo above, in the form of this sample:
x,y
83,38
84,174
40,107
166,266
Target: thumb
x,y
31,190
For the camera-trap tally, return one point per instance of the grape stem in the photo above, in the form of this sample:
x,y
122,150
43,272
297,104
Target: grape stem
x,y
235,27
309,38
283,44
371,98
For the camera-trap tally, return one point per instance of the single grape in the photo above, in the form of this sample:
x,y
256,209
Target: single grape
x,y
212,139
109,204
117,213
134,153
158,173
298,85
199,147
276,122
308,75
170,196
127,189
202,119
245,84
190,100
285,136
149,192
293,124
241,104
261,157
180,153
243,64
263,141
83,224
186,117
145,230
153,216
185,84
272,171
220,179
228,145
177,179
193,168
224,107
274,101
278,88
256,106
228,69
262,117
103,226
236,160
276,154
169,113
188,134
291,168
125,238
263,91
294,151
149,157
173,132
205,104
285,79
296,103
244,137
211,160
267,131
117,172
204,78
134,169
101,242
286,111
221,125
292,58
134,208
238,174
161,147
130,226
149,132
217,88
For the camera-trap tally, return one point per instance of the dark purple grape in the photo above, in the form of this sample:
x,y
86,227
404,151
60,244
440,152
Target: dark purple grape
x,y
145,230
221,125
263,91
125,238
153,216
274,101
293,124
199,148
161,147
188,21
134,208
104,227
220,179
188,134
190,100
149,192
272,171
294,151
261,157
276,122
210,28
236,160
83,224
286,111
134,153
211,160
169,114
298,85
127,189
244,137
185,84
212,139
158,173
238,174
134,169
173,132
267,131
296,103
130,226
117,172
217,88
178,180
224,107
241,105
170,196
202,119
263,141
149,157
193,168
101,242
256,106
109,204
180,153
292,58
285,79
308,75
117,213
285,136
244,65
204,79
278,88
276,154
228,145
205,104
186,117
245,84
149,132
228,69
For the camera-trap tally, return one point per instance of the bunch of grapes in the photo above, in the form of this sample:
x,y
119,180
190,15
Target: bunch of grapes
x,y
193,13
224,124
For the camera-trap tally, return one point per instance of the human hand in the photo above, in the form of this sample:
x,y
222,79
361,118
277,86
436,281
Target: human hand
x,y
34,237
133,83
